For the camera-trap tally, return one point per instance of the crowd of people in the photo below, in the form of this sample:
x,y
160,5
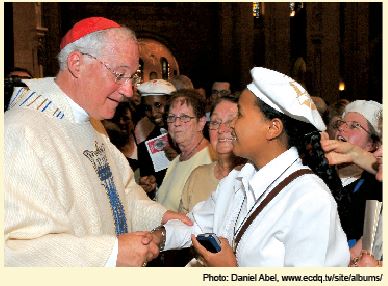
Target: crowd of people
x,y
281,178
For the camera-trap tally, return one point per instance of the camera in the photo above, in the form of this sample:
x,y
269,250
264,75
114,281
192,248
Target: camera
x,y
210,241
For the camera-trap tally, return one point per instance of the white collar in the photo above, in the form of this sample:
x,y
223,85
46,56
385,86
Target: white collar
x,y
79,113
256,182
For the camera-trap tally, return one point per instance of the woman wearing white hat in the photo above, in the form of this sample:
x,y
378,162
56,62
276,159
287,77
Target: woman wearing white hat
x,y
359,126
339,152
275,211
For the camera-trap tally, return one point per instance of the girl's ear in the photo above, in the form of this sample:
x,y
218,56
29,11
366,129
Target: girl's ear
x,y
275,128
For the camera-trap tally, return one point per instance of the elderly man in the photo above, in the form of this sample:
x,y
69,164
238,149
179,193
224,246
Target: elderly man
x,y
70,196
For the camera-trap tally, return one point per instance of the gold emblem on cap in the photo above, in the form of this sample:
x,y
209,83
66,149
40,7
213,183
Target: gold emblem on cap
x,y
303,97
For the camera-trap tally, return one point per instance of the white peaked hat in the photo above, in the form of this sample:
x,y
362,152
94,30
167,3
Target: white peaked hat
x,y
285,95
370,109
156,87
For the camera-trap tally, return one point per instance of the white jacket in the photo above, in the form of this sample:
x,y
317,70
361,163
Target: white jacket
x,y
299,227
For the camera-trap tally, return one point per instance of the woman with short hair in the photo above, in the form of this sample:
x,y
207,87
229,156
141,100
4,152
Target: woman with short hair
x,y
185,120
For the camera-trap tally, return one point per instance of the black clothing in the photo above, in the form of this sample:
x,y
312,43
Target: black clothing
x,y
146,166
351,203
133,163
9,85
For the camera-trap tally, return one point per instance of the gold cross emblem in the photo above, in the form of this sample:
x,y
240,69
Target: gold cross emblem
x,y
303,97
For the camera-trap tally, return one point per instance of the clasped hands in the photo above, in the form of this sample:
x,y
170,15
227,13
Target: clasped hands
x,y
138,248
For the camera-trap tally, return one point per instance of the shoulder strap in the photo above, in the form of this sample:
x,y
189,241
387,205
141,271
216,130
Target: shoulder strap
x,y
275,191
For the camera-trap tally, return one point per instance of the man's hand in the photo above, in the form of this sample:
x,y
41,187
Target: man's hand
x,y
148,183
174,215
225,257
136,248
359,258
367,260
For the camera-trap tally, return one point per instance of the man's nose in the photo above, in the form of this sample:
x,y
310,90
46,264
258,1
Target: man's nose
x,y
126,89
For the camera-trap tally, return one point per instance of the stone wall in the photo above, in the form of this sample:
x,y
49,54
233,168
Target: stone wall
x,y
220,41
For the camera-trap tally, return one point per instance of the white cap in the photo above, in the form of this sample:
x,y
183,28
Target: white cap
x,y
285,95
370,109
156,87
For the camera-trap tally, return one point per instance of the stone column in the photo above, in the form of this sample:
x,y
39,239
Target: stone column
x,y
236,43
323,49
277,36
25,37
356,50
245,34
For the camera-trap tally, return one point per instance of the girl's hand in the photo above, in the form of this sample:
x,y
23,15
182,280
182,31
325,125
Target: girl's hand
x,y
225,257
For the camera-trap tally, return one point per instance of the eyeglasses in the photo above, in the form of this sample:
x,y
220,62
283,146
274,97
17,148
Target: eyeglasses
x,y
120,78
216,124
222,92
156,105
183,118
352,125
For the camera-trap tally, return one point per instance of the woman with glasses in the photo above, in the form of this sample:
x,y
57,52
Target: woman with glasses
x,y
359,126
204,179
185,122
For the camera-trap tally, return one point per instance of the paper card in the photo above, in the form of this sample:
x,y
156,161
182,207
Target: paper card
x,y
155,149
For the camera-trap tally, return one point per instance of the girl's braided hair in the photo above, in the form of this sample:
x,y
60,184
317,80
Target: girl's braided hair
x,y
306,138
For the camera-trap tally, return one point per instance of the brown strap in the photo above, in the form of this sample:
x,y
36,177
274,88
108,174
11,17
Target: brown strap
x,y
275,191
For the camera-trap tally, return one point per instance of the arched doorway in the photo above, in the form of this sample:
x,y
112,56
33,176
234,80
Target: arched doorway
x,y
156,60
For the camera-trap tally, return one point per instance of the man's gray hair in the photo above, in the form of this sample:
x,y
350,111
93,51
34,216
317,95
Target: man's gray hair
x,y
93,44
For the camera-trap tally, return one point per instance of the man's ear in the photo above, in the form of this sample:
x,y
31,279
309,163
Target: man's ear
x,y
275,128
74,63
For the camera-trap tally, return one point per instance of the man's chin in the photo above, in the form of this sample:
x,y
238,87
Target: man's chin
x,y
109,114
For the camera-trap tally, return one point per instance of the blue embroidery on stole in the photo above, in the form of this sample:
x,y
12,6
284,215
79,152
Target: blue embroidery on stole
x,y
101,166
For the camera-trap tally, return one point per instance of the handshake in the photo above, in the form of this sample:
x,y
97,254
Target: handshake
x,y
138,248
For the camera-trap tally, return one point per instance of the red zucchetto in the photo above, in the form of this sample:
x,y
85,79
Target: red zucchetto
x,y
85,27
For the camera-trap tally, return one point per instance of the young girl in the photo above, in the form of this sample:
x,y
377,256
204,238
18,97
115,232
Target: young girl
x,y
261,217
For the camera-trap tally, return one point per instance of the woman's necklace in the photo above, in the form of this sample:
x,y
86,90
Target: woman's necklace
x,y
192,150
235,231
